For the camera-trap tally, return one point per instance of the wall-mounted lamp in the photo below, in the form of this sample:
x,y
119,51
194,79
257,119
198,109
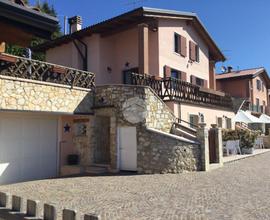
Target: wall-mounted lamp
x,y
109,69
127,64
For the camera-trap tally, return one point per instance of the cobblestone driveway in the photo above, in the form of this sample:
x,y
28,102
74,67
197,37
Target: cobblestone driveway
x,y
240,190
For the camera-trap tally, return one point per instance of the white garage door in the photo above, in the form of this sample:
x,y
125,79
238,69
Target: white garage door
x,y
28,147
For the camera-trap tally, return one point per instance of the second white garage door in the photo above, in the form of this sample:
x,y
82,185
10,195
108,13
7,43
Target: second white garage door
x,y
28,147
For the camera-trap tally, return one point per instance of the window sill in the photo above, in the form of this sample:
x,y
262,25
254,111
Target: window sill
x,y
178,54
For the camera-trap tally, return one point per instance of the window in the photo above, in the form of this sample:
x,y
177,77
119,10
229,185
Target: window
x,y
180,45
197,53
229,123
258,82
175,74
262,86
219,122
257,104
193,120
194,52
198,81
176,43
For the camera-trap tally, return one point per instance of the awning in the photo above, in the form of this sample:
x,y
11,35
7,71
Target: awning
x,y
246,117
265,118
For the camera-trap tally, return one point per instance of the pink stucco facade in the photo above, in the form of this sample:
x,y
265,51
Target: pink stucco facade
x,y
110,55
115,51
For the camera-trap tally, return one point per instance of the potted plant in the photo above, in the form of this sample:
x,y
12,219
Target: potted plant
x,y
247,141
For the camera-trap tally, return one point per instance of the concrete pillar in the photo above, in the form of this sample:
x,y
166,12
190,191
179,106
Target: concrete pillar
x,y
202,135
212,76
143,48
218,141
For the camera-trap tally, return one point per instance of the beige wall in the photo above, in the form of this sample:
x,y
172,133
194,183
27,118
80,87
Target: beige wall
x,y
116,50
167,56
210,114
261,95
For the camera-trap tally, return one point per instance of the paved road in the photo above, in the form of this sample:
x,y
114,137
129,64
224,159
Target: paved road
x,y
239,191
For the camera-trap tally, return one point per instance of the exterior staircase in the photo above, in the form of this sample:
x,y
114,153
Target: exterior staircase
x,y
182,130
97,169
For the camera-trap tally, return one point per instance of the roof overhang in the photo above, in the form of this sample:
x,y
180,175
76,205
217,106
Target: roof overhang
x,y
24,23
132,18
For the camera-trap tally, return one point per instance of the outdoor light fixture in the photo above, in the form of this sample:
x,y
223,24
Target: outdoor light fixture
x,y
127,64
109,69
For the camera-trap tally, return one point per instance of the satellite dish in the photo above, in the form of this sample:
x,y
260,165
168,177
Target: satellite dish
x,y
223,69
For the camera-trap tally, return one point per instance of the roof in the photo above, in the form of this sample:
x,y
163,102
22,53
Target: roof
x,y
245,73
240,73
139,15
27,18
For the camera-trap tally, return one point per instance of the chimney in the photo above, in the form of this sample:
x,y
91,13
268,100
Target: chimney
x,y
75,24
230,68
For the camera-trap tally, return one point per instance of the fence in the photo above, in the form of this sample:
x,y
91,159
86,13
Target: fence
x,y
177,90
32,210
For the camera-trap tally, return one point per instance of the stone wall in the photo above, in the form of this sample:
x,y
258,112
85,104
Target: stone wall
x,y
160,153
26,95
157,152
157,114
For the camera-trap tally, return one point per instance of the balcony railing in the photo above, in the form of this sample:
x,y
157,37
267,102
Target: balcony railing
x,y
178,90
20,67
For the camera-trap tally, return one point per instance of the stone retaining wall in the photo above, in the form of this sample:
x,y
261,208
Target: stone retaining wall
x,y
27,95
159,153
156,153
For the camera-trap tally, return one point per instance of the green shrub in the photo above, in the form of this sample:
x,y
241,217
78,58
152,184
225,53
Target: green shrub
x,y
247,138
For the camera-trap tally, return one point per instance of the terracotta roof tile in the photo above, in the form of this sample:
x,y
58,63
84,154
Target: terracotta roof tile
x,y
239,73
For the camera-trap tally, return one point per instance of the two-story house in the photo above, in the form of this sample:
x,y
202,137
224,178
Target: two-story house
x,y
251,85
163,44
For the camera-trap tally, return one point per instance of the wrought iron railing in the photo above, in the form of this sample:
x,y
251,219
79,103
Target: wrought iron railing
x,y
177,90
20,67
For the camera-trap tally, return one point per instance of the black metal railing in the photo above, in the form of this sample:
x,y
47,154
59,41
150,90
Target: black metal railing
x,y
20,67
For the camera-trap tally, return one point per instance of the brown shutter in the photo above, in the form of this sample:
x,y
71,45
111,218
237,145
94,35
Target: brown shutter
x,y
192,49
183,47
193,80
205,84
167,71
183,76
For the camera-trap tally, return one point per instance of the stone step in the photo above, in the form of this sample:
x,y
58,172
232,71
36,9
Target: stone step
x,y
185,134
95,170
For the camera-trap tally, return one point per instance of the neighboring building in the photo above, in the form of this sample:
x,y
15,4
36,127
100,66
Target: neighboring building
x,y
251,85
157,42
19,23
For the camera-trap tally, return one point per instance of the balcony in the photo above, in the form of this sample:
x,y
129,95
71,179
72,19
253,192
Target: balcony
x,y
13,66
170,89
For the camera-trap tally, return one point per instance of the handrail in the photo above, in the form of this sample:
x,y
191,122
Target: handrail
x,y
180,121
21,67
169,88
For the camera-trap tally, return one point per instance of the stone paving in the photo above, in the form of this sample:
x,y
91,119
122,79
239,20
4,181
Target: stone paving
x,y
238,191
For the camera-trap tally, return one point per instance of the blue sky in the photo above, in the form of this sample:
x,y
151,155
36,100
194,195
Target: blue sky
x,y
240,28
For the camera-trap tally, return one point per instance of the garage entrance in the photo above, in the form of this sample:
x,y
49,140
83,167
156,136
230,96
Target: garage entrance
x,y
28,147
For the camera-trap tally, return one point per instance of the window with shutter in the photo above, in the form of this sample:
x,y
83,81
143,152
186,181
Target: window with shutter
x,y
194,52
183,43
229,123
167,71
219,122
176,43
193,120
